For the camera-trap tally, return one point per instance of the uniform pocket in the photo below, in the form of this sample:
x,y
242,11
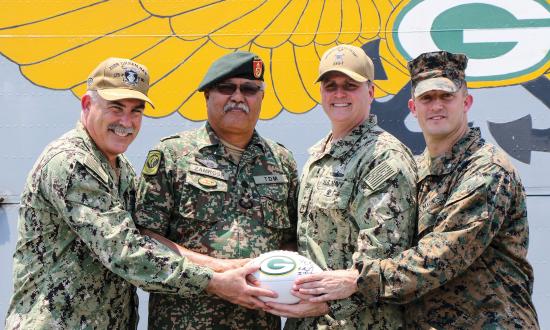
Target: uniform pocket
x,y
203,198
467,204
332,193
273,200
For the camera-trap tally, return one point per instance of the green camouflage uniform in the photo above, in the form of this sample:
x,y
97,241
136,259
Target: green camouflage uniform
x,y
469,268
79,253
198,197
356,200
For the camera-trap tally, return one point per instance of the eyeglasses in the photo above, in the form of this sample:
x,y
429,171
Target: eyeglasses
x,y
247,89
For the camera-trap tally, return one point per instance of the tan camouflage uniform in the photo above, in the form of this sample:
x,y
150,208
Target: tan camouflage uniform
x,y
79,253
469,268
201,199
356,200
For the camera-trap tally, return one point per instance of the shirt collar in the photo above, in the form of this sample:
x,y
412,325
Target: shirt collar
x,y
126,171
209,138
82,133
342,146
448,162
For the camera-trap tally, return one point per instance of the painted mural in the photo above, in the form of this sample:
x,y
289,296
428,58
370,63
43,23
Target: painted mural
x,y
57,43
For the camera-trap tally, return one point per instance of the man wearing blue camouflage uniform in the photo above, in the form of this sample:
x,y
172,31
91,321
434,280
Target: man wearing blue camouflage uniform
x,y
468,269
357,196
222,192
79,254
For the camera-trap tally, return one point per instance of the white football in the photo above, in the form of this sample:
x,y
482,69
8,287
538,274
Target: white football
x,y
278,270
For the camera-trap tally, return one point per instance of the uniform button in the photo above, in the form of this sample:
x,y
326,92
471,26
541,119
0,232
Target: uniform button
x,y
245,203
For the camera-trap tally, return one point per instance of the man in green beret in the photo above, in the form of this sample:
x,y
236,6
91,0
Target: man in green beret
x,y
79,254
468,268
222,192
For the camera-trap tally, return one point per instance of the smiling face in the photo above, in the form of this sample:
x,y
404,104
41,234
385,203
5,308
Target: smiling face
x,y
234,115
345,101
112,125
441,114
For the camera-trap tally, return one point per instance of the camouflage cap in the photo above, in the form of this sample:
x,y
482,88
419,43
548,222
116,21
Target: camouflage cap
x,y
120,78
439,70
349,60
239,64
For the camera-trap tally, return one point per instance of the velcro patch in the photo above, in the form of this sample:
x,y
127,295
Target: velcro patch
x,y
207,171
152,163
380,174
271,178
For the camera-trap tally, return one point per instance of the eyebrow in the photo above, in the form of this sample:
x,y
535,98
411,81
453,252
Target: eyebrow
x,y
347,81
139,106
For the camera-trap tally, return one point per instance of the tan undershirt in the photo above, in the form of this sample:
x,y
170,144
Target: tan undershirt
x,y
234,152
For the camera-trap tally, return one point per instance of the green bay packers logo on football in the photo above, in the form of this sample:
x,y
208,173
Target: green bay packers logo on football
x,y
277,265
507,41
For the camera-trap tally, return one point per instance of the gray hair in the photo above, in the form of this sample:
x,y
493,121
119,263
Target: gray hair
x,y
94,96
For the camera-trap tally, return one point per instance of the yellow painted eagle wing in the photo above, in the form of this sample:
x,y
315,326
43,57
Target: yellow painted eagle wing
x,y
57,43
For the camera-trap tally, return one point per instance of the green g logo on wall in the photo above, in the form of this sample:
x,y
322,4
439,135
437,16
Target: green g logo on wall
x,y
507,41
277,265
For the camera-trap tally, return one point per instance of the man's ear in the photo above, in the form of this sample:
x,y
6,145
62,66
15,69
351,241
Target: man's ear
x,y
371,91
468,102
86,102
412,107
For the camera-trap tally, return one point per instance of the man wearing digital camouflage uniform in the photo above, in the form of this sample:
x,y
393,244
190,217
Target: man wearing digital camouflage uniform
x,y
79,253
468,269
222,192
357,195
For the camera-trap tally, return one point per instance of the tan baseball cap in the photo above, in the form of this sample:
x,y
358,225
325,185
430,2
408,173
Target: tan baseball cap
x,y
120,78
350,60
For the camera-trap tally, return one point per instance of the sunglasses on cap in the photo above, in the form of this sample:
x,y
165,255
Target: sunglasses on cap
x,y
247,89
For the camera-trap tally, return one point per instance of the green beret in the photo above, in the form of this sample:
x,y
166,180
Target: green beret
x,y
234,65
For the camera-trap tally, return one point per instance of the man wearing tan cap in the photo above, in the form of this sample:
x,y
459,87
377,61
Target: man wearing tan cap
x,y
468,268
357,197
79,254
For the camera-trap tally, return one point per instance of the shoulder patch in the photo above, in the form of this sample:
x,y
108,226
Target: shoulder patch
x,y
152,162
93,165
380,174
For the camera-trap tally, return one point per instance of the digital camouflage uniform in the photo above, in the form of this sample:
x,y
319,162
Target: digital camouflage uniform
x,y
199,198
469,268
356,200
78,252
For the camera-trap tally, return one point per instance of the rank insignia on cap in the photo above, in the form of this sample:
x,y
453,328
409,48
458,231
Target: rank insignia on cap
x,y
207,182
152,163
258,67
338,58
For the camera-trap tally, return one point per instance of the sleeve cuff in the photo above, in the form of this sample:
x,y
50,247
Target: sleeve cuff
x,y
195,280
345,308
369,281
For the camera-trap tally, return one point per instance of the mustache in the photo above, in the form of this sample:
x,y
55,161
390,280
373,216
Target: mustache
x,y
121,129
234,105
